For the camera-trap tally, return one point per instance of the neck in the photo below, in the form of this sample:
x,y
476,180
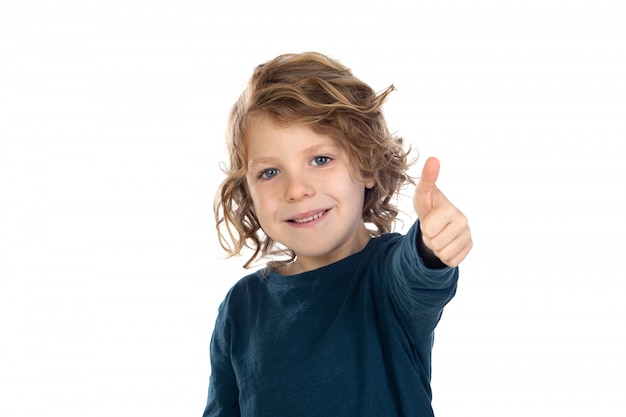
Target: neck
x,y
305,264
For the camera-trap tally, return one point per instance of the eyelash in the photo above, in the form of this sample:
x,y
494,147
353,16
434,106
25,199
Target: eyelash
x,y
263,174
326,159
315,162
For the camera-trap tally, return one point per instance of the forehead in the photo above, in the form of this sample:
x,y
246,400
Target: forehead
x,y
265,137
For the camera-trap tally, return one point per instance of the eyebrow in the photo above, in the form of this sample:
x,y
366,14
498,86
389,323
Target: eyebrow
x,y
261,161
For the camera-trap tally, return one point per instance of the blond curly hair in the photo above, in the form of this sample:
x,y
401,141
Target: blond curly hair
x,y
314,90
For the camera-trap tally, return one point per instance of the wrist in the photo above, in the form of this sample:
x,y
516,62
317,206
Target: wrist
x,y
428,256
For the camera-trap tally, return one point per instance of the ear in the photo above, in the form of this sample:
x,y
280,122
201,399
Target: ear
x,y
369,183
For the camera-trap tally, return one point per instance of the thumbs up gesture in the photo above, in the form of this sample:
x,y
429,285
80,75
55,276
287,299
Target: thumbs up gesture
x,y
444,228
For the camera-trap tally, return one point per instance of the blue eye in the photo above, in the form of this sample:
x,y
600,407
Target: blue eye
x,y
320,160
268,173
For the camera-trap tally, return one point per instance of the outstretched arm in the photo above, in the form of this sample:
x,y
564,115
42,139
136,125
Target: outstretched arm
x,y
444,229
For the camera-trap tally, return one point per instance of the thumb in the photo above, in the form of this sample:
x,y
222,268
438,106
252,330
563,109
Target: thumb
x,y
426,188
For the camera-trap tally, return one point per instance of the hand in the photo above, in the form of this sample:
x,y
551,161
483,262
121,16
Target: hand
x,y
444,228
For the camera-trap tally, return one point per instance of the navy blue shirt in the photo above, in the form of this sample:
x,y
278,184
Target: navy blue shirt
x,y
353,338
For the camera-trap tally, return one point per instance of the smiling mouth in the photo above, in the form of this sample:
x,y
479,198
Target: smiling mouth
x,y
310,218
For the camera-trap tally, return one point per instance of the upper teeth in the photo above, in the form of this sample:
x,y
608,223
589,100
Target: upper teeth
x,y
309,219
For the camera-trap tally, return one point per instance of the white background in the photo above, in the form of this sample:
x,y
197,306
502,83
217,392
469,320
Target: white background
x,y
112,116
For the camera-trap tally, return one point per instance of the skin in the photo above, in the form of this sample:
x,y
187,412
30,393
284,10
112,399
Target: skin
x,y
295,175
444,228
305,197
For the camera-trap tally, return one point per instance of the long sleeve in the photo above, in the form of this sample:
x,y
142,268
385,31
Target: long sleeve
x,y
419,293
350,338
223,395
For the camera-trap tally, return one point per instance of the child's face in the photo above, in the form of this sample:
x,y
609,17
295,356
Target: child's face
x,y
304,194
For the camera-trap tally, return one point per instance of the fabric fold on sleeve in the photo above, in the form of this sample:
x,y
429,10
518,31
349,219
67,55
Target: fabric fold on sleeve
x,y
418,293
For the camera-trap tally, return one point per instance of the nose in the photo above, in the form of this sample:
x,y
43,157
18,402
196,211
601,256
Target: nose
x,y
298,187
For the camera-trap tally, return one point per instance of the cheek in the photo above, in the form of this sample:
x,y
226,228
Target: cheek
x,y
261,202
253,199
354,191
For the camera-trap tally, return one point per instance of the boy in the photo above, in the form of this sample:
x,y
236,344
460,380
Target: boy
x,y
341,321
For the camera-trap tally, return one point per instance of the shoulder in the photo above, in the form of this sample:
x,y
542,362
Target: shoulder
x,y
398,255
392,244
241,293
247,283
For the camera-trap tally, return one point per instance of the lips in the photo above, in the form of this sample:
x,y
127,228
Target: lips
x,y
310,218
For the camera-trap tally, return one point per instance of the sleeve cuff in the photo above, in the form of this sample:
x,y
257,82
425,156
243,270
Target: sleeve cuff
x,y
428,257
